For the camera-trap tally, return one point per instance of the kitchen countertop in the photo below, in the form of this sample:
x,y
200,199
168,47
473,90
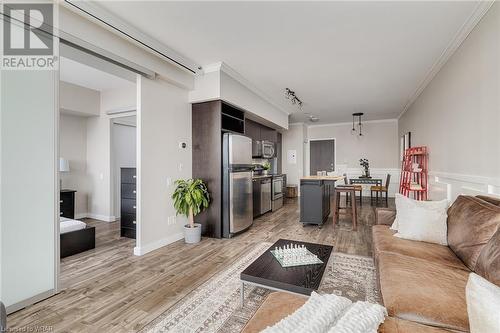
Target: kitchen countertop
x,y
322,178
261,176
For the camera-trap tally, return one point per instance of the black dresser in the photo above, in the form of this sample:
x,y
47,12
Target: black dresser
x,y
128,202
67,203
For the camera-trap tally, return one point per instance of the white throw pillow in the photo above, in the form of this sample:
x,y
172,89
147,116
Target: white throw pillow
x,y
317,315
402,205
483,305
422,220
361,317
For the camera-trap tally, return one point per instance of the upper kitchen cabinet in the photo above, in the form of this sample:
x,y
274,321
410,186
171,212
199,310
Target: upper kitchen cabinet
x,y
260,132
268,134
233,120
252,129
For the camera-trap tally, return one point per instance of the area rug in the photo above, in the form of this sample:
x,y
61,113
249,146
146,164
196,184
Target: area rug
x,y
215,305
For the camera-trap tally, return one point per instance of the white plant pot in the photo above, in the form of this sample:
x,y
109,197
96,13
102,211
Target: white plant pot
x,y
192,235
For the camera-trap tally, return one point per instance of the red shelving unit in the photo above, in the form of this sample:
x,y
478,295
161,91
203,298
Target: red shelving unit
x,y
414,177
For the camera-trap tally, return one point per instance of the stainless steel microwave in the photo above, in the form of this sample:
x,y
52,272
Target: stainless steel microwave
x,y
263,149
267,149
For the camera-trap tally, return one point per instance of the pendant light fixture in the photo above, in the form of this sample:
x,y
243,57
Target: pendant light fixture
x,y
359,130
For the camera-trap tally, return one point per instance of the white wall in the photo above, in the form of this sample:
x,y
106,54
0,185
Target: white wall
x,y
164,120
118,99
78,100
99,168
457,116
379,145
293,140
73,147
124,143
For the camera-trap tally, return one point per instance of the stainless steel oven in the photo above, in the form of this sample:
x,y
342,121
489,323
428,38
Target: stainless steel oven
x,y
267,149
277,192
277,187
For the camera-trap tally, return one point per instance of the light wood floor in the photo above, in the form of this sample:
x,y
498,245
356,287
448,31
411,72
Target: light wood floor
x,y
111,290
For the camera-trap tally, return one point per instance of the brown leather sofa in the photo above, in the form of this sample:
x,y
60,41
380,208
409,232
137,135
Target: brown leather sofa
x,y
425,283
278,305
422,284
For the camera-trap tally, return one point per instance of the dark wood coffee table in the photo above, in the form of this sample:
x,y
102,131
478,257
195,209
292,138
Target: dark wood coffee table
x,y
266,271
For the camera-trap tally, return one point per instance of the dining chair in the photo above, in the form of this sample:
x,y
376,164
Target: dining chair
x,y
381,189
357,188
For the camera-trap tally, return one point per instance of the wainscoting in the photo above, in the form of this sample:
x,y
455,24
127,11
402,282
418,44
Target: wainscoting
x,y
444,185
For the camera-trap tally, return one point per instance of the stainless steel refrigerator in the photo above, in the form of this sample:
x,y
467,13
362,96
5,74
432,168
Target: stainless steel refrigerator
x,y
237,190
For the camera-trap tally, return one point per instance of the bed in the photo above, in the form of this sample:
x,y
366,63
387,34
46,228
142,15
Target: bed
x,y
76,237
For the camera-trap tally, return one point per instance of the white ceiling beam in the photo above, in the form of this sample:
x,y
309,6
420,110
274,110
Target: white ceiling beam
x,y
111,22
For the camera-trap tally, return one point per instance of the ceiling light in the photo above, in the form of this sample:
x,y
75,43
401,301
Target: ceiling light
x,y
360,125
313,118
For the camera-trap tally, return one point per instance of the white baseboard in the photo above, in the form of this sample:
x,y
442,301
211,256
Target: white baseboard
x,y
32,300
81,216
141,250
100,217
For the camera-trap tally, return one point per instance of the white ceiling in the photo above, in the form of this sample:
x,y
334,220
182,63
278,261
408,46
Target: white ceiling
x,y
339,57
89,77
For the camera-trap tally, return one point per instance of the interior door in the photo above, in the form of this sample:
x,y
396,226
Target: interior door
x,y
322,156
28,170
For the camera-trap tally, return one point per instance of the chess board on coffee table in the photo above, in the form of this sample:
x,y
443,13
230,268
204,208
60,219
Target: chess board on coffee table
x,y
267,272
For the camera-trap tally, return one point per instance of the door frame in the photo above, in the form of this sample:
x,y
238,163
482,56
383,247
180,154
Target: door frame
x,y
308,153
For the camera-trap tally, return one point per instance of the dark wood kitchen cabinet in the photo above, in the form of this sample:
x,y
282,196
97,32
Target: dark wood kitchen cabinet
x,y
259,132
252,129
268,134
314,201
207,162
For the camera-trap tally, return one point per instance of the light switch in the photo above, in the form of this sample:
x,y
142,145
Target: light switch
x,y
169,181
180,166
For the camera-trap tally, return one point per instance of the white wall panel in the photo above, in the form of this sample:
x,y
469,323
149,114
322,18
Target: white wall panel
x,y
28,186
163,120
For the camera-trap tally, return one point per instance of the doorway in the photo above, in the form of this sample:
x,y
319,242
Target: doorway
x,y
97,137
322,155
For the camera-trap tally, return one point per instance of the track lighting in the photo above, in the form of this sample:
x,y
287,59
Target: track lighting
x,y
289,94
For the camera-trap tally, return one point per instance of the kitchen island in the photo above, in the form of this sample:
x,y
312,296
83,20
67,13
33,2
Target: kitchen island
x,y
315,198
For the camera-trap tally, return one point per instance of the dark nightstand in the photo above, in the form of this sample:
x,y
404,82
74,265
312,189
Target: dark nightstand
x,y
67,203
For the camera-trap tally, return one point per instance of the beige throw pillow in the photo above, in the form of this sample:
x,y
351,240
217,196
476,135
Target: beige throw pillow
x,y
483,305
421,220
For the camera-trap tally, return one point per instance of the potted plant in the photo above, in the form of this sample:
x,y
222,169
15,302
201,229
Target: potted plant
x,y
366,166
191,197
266,166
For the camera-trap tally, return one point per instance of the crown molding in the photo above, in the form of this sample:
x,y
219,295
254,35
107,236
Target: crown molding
x,y
223,67
470,23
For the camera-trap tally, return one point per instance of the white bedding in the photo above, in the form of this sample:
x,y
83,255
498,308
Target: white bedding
x,y
68,225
